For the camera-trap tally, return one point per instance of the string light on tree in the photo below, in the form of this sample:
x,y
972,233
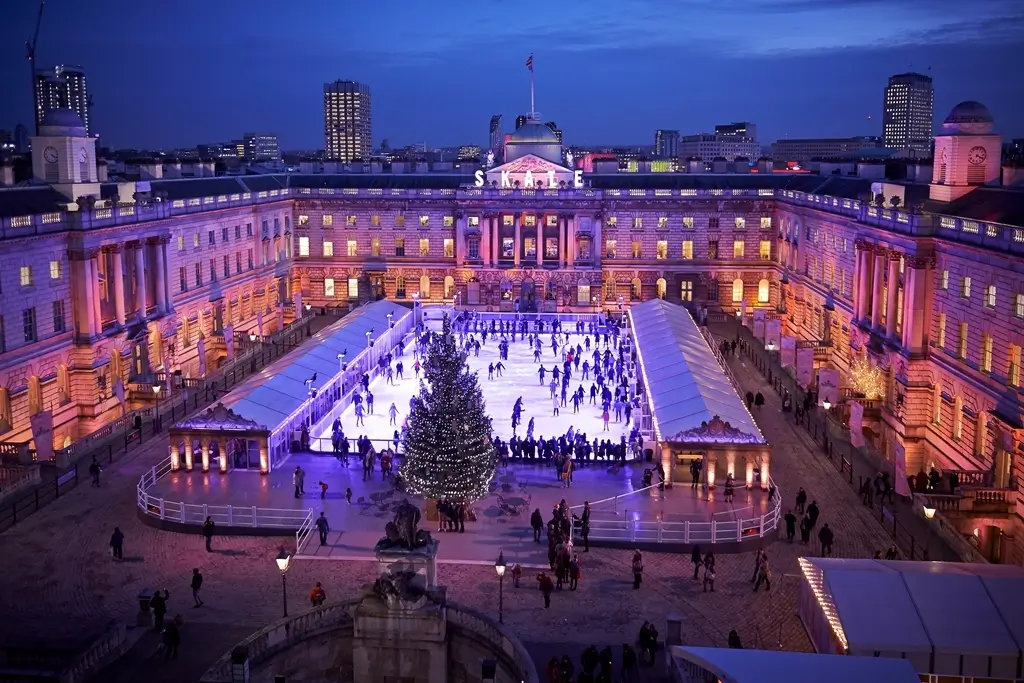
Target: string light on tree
x,y
448,450
867,379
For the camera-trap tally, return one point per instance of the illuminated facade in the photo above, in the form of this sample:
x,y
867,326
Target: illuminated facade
x,y
347,130
62,87
930,298
907,114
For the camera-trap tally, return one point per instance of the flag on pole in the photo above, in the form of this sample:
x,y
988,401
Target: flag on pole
x,y
529,63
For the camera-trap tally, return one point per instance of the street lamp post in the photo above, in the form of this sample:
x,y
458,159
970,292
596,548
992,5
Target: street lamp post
x,y
622,312
499,566
283,562
827,405
390,324
156,417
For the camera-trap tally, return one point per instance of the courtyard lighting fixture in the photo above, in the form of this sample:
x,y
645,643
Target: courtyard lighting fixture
x,y
283,562
929,512
252,337
308,307
390,324
499,567
826,404
739,314
770,346
156,394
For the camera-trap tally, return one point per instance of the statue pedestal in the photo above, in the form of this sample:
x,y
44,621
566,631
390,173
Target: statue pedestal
x,y
422,561
399,644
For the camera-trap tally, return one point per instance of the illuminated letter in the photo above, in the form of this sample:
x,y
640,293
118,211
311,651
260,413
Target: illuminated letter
x,y
528,179
577,178
505,182
551,179
479,176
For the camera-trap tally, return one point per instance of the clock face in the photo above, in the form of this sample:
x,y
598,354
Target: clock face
x,y
50,154
977,155
83,156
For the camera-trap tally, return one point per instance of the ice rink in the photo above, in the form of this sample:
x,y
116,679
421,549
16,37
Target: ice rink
x,y
519,378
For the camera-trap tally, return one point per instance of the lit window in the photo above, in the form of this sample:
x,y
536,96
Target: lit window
x,y
375,247
662,222
765,250
399,221
661,250
529,221
958,418
944,280
962,341
329,287
303,246
986,352
688,249
740,223
990,296
449,248
25,276
399,246
352,248
1013,373
552,222
764,291
327,220
375,221
637,249
766,222
195,240
424,221
612,221
940,339
738,248
507,220
1018,306
638,222
54,270
737,291
353,288
181,242
965,287
686,290
688,222
303,220
609,248
424,247
328,248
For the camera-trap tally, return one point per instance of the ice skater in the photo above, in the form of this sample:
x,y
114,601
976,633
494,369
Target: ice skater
x,y
359,414
393,414
500,367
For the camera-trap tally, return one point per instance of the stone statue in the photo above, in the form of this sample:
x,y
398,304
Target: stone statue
x,y
402,531
401,590
568,158
490,158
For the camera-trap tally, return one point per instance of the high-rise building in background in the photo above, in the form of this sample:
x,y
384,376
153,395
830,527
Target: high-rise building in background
x,y
21,139
741,129
710,147
908,110
347,131
555,129
495,131
261,146
520,121
62,87
666,144
805,149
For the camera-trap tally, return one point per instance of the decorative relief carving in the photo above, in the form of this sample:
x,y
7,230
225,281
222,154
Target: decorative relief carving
x,y
715,431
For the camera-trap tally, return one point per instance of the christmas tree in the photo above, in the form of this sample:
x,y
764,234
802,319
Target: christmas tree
x,y
448,450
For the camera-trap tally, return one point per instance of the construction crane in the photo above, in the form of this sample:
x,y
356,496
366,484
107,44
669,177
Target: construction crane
x,y
30,49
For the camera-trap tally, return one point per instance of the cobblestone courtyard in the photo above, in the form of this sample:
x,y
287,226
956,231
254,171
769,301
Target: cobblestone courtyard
x,y
62,584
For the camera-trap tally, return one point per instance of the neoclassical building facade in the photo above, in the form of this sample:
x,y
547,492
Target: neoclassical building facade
x,y
107,284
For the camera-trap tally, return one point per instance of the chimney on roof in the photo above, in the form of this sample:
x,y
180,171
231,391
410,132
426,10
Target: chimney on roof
x,y
719,165
694,165
101,171
764,165
6,175
151,169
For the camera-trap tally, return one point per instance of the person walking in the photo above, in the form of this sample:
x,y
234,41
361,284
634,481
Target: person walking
x,y
547,587
208,528
758,559
574,572
709,572
638,569
790,526
826,537
585,526
764,575
159,606
172,638
94,472
196,585
801,500
117,544
323,528
697,561
537,524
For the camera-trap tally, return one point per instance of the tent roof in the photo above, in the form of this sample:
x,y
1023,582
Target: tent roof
x,y
274,393
685,383
952,608
769,666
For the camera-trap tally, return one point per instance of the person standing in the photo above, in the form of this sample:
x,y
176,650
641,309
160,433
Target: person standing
x,y
790,526
323,527
826,537
295,480
758,559
764,575
537,523
697,561
801,500
574,572
159,607
172,638
393,414
638,569
117,544
94,472
547,587
709,572
197,585
208,528
585,526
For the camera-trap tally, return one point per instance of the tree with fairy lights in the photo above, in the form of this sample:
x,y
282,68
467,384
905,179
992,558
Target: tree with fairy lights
x,y
448,450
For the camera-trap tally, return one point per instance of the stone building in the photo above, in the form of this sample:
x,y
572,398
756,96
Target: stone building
x,y
109,284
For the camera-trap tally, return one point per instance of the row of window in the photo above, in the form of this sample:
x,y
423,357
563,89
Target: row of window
x,y
225,264
26,277
212,236
985,359
739,250
990,298
29,326
529,221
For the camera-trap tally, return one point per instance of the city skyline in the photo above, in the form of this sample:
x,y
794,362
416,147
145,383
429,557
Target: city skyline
x,y
420,83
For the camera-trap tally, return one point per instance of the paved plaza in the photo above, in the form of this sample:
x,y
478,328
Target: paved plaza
x,y
61,584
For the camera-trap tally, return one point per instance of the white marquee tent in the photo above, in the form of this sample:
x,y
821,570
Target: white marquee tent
x,y
947,618
701,664
685,383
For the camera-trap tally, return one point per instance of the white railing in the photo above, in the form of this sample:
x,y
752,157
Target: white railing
x,y
224,516
632,526
304,533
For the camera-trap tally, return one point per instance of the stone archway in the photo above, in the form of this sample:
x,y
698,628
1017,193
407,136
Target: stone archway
x,y
527,295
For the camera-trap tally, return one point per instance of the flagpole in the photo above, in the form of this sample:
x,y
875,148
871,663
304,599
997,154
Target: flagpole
x,y
532,108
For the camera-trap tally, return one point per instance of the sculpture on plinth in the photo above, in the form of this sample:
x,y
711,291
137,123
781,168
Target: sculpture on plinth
x,y
402,533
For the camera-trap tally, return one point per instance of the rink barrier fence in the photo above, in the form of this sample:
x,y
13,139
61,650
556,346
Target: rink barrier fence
x,y
177,514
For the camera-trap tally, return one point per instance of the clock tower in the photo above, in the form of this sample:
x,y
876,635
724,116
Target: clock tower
x,y
967,153
64,155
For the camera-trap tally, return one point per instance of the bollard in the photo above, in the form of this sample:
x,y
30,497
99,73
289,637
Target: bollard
x,y
240,665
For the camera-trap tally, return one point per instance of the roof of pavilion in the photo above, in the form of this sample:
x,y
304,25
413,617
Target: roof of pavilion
x,y
691,397
269,397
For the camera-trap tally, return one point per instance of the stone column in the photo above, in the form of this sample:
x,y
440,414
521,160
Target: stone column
x,y
460,239
765,470
117,280
563,244
730,463
876,290
161,277
916,320
517,242
175,458
496,246
570,240
541,220
264,457
85,317
485,240
864,283
596,246
205,443
189,462
97,302
140,279
222,455
749,461
165,250
892,293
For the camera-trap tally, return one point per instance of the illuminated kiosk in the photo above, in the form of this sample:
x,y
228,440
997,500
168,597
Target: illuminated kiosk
x,y
690,404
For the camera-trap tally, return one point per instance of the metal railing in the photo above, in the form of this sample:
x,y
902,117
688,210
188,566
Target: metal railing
x,y
224,516
304,533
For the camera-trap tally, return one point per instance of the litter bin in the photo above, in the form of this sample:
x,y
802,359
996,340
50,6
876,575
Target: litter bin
x,y
145,617
649,455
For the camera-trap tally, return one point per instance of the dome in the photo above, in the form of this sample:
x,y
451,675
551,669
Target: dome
x,y
969,117
62,122
533,133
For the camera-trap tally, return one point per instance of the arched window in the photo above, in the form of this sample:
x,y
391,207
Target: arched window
x,y
662,288
583,292
425,287
473,292
764,291
35,395
737,290
449,286
634,289
609,289
400,287
5,410
63,384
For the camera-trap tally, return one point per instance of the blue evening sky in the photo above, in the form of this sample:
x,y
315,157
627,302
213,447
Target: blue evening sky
x,y
181,72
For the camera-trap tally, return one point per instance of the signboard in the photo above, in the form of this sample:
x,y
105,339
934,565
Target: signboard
x,y
229,341
857,424
787,353
527,180
828,386
773,333
759,323
42,434
899,455
259,323
805,366
743,312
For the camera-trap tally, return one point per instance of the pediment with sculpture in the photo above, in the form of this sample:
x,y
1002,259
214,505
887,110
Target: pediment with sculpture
x,y
220,418
716,430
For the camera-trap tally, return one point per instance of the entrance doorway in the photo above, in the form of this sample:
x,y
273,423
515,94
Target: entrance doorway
x,y
528,296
